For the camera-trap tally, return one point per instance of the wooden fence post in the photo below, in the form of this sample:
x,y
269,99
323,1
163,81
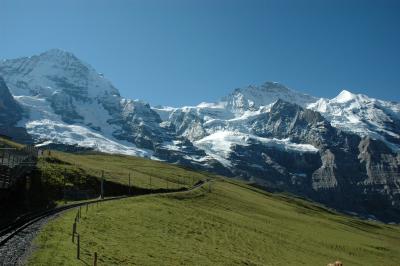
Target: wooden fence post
x,y
95,259
129,184
64,185
73,232
149,181
102,185
9,159
78,247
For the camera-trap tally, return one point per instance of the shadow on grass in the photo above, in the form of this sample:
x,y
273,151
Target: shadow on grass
x,y
361,225
19,204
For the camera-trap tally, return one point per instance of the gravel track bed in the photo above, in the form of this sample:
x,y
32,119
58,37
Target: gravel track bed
x,y
18,248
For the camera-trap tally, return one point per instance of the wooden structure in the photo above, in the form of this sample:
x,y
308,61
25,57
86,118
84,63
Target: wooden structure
x,y
16,163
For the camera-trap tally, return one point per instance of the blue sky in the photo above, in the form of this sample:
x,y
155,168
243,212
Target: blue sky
x,y
185,52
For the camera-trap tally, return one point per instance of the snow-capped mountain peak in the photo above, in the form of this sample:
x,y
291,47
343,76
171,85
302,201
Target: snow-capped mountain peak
x,y
276,136
59,55
66,101
344,96
362,115
54,71
253,97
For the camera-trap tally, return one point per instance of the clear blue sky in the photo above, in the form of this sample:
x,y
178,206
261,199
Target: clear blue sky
x,y
184,52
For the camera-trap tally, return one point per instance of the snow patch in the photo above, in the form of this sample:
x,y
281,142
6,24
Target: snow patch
x,y
344,96
219,144
50,131
362,115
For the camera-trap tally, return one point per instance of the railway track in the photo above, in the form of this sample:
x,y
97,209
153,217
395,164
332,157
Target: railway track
x,y
11,230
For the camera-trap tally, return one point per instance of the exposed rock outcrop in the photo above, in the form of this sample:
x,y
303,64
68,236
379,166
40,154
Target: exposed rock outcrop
x,y
344,152
10,114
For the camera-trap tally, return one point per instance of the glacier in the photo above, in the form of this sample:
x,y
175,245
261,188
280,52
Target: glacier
x,y
343,151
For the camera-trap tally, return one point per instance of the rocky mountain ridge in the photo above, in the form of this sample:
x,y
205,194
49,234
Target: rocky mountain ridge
x,y
343,151
10,113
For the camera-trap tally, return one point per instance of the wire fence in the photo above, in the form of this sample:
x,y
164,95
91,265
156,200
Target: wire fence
x,y
85,247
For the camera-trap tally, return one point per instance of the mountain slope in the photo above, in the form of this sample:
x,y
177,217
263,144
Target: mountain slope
x,y
10,113
253,97
67,101
363,115
343,152
233,224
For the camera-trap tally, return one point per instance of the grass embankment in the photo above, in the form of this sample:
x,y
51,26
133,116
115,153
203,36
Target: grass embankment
x,y
144,173
6,143
75,169
232,225
83,172
80,173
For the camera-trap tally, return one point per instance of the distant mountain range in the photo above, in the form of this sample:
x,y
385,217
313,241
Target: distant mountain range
x,y
344,152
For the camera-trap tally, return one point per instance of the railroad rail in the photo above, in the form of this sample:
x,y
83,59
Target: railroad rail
x,y
12,229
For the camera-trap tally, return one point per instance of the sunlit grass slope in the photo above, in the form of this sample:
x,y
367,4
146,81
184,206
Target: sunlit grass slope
x,y
9,143
144,173
234,224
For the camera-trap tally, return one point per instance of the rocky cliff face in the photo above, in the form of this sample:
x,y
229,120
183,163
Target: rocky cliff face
x,y
348,171
10,114
10,111
344,152
253,97
362,115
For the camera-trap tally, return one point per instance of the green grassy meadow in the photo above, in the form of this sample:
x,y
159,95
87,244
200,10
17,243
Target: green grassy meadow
x,y
9,143
58,171
223,222
233,224
144,173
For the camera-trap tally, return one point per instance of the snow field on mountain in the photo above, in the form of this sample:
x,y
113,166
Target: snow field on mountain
x,y
219,145
34,81
44,125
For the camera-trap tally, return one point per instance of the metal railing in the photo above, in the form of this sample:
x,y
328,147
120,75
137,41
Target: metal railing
x,y
15,163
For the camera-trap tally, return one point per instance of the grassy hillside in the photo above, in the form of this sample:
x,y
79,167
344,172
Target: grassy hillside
x,y
9,143
81,172
78,168
144,173
234,224
231,224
